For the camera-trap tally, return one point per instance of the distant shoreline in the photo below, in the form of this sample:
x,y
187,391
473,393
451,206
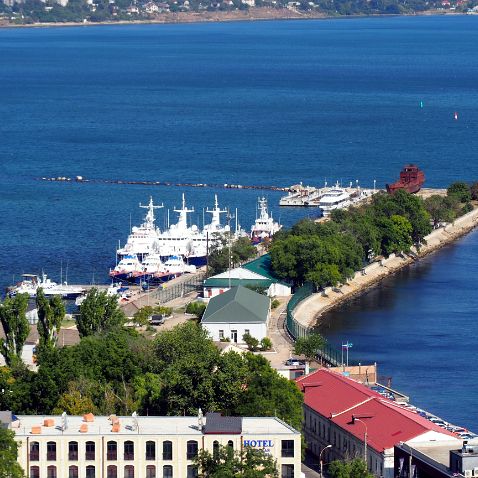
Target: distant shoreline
x,y
253,14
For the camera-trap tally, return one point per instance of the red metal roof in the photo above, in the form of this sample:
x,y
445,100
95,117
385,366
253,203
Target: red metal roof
x,y
338,398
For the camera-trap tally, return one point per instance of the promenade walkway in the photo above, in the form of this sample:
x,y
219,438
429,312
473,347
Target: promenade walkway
x,y
309,310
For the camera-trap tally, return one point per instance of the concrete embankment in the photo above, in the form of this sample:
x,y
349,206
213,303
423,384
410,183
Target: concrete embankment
x,y
310,310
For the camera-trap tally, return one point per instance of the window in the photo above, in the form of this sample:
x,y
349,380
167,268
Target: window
x,y
128,450
230,445
90,452
111,471
111,450
287,471
34,451
73,450
90,471
215,449
247,331
221,334
150,471
73,471
51,451
192,449
51,471
287,448
192,471
129,471
167,471
34,472
150,450
167,450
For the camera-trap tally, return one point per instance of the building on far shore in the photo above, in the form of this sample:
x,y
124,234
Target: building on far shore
x,y
143,447
257,273
236,312
356,421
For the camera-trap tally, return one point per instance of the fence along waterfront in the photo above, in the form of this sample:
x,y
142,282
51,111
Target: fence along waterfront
x,y
296,330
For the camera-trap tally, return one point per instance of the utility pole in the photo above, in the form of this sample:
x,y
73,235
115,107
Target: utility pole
x,y
229,216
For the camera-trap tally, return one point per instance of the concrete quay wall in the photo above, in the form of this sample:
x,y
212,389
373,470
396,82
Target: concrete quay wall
x,y
309,311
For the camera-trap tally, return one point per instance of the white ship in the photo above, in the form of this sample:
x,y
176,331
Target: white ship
x,y
143,239
334,198
264,226
31,282
127,267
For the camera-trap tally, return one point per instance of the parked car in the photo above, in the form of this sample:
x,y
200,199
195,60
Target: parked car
x,y
294,362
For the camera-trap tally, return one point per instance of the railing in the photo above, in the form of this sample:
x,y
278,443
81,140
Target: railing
x,y
296,330
167,292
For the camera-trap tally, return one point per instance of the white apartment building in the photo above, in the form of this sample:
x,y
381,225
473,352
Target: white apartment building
x,y
143,447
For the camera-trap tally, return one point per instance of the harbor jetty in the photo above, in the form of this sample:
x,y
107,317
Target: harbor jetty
x,y
309,311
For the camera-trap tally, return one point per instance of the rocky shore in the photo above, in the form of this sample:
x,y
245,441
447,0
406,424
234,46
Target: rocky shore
x,y
309,312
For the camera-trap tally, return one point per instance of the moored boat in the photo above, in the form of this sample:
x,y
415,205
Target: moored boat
x,y
264,227
30,284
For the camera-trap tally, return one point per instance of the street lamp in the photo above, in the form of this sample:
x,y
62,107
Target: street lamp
x,y
321,462
355,419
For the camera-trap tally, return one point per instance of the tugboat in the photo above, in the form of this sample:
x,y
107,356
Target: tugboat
x,y
411,180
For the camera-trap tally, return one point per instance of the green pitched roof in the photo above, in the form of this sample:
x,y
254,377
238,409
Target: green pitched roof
x,y
262,265
237,305
224,282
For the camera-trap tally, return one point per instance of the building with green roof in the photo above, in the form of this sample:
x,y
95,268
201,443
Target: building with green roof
x,y
257,273
236,312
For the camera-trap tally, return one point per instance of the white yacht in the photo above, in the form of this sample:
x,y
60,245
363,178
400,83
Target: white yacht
x,y
31,282
335,198
143,239
264,226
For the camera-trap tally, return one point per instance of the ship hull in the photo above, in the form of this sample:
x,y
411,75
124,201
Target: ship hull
x,y
409,188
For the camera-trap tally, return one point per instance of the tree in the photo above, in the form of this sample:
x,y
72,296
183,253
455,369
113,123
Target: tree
x,y
441,209
397,235
99,312
325,275
15,326
51,313
241,251
74,403
356,468
309,346
267,394
251,342
474,191
196,308
9,467
141,317
459,190
227,463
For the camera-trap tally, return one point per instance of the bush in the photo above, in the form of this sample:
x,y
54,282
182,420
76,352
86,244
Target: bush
x,y
460,190
196,308
467,208
266,343
251,342
275,303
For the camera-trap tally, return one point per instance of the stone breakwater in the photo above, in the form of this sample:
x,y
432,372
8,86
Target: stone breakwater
x,y
309,312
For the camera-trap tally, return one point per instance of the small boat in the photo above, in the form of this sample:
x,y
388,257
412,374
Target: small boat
x,y
455,115
411,180
30,284
173,267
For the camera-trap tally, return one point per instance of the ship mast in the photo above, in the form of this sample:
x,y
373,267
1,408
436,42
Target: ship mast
x,y
149,218
216,214
183,215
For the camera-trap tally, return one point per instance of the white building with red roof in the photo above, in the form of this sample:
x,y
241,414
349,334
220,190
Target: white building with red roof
x,y
347,415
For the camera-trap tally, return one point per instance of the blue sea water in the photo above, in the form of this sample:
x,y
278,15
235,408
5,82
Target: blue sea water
x,y
270,103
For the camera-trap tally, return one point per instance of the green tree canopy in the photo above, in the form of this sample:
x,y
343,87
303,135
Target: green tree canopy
x,y
51,313
241,251
15,326
228,463
309,346
99,312
356,468
9,467
459,190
